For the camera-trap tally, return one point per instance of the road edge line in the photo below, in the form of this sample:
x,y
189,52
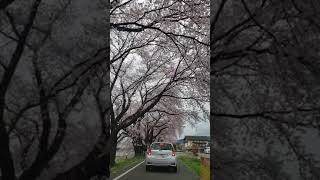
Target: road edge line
x,y
121,175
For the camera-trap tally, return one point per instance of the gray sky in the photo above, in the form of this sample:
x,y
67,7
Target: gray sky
x,y
200,129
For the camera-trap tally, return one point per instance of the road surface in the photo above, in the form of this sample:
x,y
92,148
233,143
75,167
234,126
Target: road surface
x,y
139,173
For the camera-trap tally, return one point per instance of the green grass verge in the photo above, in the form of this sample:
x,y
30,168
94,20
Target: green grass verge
x,y
123,164
192,163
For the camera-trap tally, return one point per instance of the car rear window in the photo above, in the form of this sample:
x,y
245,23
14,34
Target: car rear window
x,y
161,146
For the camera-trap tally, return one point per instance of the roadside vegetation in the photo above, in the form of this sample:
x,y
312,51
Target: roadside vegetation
x,y
205,172
123,164
192,163
205,169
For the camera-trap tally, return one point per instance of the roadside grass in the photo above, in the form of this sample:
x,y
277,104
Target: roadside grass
x,y
204,172
192,163
122,164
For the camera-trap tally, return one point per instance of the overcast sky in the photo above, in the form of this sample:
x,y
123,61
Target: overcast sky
x,y
200,129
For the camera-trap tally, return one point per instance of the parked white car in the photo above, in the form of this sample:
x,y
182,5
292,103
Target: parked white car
x,y
161,154
207,150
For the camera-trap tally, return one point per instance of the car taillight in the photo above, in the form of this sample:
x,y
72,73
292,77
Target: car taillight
x,y
149,152
173,153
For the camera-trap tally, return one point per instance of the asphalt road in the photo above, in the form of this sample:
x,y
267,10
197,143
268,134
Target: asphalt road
x,y
139,173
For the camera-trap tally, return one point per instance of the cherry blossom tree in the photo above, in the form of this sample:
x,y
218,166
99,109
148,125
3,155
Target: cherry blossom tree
x,y
171,51
156,125
55,77
45,74
264,64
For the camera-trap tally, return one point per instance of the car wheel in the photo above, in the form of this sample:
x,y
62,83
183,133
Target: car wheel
x,y
147,168
174,169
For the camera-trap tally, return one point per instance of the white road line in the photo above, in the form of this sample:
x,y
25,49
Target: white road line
x,y
127,171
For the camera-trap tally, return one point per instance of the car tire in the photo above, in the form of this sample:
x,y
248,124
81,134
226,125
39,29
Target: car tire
x,y
175,169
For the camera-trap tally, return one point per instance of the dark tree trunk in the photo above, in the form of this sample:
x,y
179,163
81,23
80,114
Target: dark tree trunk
x,y
139,149
113,151
5,3
6,162
138,146
95,164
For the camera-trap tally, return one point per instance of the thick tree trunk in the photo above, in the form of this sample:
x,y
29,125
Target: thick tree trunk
x,y
138,150
5,3
113,151
138,146
6,162
43,158
95,164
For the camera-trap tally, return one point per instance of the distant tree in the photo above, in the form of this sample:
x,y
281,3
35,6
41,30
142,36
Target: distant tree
x,y
152,127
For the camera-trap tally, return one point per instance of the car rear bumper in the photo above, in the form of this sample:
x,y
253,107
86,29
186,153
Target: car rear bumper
x,y
150,161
